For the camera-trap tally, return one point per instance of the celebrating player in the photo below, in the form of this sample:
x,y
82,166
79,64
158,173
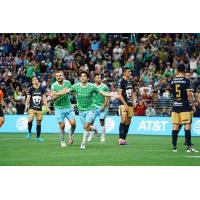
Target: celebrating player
x,y
181,109
100,104
127,98
84,93
63,107
35,98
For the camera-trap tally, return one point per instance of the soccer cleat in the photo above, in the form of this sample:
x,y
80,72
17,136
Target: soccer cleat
x,y
103,139
122,142
28,136
192,150
39,139
82,145
63,144
185,143
174,149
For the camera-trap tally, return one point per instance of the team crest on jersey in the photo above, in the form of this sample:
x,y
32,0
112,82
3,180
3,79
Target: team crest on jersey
x,y
37,100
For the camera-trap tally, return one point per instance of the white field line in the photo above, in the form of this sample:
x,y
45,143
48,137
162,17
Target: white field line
x,y
192,156
10,139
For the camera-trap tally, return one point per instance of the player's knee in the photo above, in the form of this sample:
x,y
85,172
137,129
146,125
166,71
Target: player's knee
x,y
62,125
176,127
38,122
30,121
102,122
87,127
187,126
123,119
73,123
128,121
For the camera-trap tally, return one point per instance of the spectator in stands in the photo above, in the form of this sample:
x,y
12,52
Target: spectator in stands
x,y
196,109
151,57
166,93
20,107
10,109
18,94
165,113
168,71
113,102
140,108
150,111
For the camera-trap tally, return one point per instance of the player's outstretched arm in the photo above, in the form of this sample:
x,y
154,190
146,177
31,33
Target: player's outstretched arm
x,y
45,104
55,95
27,103
105,104
109,94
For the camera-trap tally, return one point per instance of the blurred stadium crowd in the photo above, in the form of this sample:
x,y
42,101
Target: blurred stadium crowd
x,y
152,59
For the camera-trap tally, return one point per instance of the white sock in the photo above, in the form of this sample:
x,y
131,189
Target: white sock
x,y
85,136
62,135
103,130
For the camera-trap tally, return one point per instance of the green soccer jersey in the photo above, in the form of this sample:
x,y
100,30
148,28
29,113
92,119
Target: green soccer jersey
x,y
84,95
64,100
98,99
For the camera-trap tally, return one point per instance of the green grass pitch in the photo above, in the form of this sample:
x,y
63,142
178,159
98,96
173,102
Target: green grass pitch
x,y
15,150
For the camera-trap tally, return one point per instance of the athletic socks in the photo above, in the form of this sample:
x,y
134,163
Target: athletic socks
x,y
122,134
188,137
30,126
103,130
174,137
126,129
38,130
85,136
71,131
62,135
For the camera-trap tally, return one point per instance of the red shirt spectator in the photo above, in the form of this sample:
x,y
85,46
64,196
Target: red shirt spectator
x,y
140,108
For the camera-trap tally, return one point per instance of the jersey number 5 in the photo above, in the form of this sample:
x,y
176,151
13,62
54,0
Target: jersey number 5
x,y
178,91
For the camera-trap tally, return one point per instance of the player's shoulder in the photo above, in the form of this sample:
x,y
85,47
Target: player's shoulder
x,y
121,80
104,85
186,79
76,85
91,84
31,88
67,82
42,89
54,84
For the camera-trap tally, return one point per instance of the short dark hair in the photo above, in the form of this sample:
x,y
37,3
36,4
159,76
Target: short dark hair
x,y
96,74
181,68
125,69
84,72
34,77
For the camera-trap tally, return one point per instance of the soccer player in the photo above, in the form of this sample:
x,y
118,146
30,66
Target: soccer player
x,y
181,108
2,119
100,104
127,99
63,107
84,92
35,98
